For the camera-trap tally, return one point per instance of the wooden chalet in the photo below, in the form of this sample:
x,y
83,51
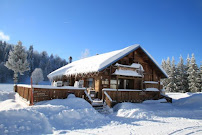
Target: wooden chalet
x,y
130,74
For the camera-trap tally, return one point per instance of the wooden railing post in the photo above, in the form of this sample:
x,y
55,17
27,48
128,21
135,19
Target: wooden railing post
x,y
15,88
117,86
32,95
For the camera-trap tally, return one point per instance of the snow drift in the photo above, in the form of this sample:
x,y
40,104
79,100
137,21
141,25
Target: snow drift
x,y
193,101
71,113
23,121
42,118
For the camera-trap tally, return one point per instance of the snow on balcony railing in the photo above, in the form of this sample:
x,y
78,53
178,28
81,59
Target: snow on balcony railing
x,y
108,89
88,96
108,96
151,89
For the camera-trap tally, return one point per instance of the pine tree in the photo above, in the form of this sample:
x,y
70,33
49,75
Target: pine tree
x,y
192,75
199,79
31,59
43,63
168,66
168,71
187,74
171,87
1,51
17,61
164,81
180,76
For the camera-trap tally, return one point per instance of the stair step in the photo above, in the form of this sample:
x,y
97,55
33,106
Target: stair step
x,y
102,109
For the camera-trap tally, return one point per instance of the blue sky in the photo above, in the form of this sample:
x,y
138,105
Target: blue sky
x,y
68,27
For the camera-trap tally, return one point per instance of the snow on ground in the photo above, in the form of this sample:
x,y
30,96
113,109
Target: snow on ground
x,y
6,87
176,96
76,116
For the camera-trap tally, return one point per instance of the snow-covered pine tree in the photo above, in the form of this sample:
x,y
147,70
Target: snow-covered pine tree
x,y
43,63
1,51
168,71
31,59
201,77
168,66
17,61
187,74
180,76
164,81
37,75
192,75
163,64
171,87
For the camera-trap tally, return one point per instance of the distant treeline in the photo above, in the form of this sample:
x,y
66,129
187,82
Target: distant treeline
x,y
36,60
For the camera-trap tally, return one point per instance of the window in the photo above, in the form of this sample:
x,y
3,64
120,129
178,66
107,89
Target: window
x,y
113,84
90,83
105,81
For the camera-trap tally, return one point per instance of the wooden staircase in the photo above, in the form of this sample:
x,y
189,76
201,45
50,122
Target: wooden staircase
x,y
101,107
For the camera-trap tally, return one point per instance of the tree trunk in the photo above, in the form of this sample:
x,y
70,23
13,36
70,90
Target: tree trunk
x,y
15,77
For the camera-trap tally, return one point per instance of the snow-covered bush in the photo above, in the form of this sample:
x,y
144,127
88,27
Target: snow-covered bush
x,y
37,75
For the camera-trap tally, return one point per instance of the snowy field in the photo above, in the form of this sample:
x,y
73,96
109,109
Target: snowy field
x,y
76,116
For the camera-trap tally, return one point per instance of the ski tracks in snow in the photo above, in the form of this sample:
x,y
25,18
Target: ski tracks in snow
x,y
196,130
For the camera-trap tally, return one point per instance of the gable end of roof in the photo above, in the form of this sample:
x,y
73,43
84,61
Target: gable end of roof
x,y
120,57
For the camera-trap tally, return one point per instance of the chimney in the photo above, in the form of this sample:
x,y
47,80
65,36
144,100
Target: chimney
x,y
70,59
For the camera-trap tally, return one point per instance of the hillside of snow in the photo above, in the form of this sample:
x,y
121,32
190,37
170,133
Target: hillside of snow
x,y
76,116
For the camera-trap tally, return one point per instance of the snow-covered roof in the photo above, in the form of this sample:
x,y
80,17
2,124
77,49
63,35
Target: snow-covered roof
x,y
126,73
96,63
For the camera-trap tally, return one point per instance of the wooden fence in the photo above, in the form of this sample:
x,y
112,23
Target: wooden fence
x,y
134,96
41,94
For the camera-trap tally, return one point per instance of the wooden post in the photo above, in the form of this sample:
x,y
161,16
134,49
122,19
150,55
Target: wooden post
x,y
103,96
15,88
159,83
142,83
70,81
117,88
32,98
